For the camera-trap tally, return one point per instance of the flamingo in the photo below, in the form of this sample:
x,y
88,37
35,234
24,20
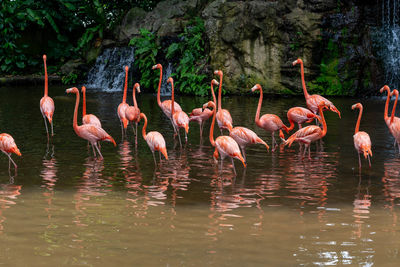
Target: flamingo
x,y
269,122
123,106
8,146
46,102
225,145
313,100
179,118
88,118
224,118
166,104
132,113
200,115
299,115
90,132
362,142
154,140
392,122
244,136
310,133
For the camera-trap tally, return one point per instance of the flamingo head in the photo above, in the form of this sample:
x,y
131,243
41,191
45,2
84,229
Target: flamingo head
x,y
297,61
358,105
137,87
385,87
395,93
256,87
218,72
72,90
83,90
209,104
214,82
157,66
44,57
126,68
170,80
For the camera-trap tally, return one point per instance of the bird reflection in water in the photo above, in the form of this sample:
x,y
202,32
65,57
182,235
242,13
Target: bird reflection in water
x,y
8,194
361,205
49,178
391,186
91,185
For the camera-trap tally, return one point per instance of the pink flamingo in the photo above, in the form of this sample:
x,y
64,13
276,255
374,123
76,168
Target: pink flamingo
x,y
244,136
123,106
310,133
90,132
362,142
166,105
299,115
392,122
225,145
200,115
224,118
269,122
179,118
314,100
88,118
132,113
8,146
46,102
154,140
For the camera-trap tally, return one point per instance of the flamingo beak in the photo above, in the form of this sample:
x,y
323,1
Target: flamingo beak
x,y
138,88
294,62
154,67
254,88
69,90
215,82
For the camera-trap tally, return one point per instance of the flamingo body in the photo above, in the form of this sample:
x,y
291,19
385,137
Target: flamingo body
x,y
91,119
299,115
306,135
362,143
244,136
200,115
132,113
227,146
93,133
7,144
181,120
270,123
122,114
224,119
47,107
166,107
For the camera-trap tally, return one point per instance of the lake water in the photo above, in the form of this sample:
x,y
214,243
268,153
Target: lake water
x,y
66,208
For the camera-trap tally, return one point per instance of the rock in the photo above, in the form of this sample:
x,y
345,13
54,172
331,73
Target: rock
x,y
73,66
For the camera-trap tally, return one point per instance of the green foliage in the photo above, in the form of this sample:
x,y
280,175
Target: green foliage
x,y
70,78
146,50
192,59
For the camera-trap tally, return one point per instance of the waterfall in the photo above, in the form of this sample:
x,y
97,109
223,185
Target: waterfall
x,y
108,73
166,88
388,39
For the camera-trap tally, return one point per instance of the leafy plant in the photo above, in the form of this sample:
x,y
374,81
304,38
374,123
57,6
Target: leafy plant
x,y
192,59
71,78
145,57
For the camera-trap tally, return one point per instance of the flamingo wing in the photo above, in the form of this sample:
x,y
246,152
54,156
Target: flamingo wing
x,y
298,114
93,133
167,107
306,135
271,122
132,113
226,145
244,136
224,119
155,141
7,144
91,119
362,143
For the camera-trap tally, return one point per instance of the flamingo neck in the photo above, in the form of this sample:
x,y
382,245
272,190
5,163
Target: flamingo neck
x,y
134,97
303,82
125,86
291,125
144,126
83,103
358,121
220,92
212,92
324,126
159,88
172,99
46,81
75,120
212,128
394,108
257,118
385,115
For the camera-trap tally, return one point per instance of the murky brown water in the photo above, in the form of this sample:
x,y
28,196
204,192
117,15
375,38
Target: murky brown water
x,y
65,208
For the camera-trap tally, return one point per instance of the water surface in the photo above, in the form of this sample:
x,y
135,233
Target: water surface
x,y
66,208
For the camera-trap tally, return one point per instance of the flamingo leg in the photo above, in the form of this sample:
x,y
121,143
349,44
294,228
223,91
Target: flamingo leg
x,y
159,154
244,152
309,152
369,161
222,160
359,161
304,152
273,142
98,150
185,137
179,137
45,124
52,131
233,166
122,131
94,151
10,160
136,134
300,125
201,129
155,162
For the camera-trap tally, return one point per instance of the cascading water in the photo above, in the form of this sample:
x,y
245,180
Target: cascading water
x,y
108,73
388,40
166,88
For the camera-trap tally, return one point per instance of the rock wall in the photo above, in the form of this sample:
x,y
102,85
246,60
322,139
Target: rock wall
x,y
256,41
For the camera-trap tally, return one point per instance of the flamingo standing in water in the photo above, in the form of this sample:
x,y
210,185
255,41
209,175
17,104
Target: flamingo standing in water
x,y
8,146
269,122
123,106
132,113
166,105
88,118
313,100
200,115
179,118
392,122
362,142
154,140
225,145
90,132
299,115
47,103
310,133
224,118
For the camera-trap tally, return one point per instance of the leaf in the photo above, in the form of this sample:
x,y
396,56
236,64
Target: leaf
x,y
20,65
52,23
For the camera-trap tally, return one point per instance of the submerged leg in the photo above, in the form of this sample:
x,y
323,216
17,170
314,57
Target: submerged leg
x,y
52,131
309,152
179,137
233,166
94,151
201,129
244,152
122,131
273,142
98,150
136,134
369,161
11,160
155,162
359,160
45,124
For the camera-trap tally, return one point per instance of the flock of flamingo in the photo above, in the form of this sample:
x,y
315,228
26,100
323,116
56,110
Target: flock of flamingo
x,y
232,145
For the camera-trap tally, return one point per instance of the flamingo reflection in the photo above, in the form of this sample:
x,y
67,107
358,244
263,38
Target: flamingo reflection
x,y
361,203
391,186
8,195
49,179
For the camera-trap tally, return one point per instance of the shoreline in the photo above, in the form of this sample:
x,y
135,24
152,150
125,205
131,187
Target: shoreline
x,y
33,79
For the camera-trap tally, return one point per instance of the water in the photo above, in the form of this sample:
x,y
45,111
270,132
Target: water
x,y
69,209
108,73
